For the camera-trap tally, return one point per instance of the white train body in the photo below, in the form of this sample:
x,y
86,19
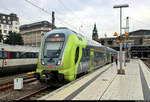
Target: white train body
x,y
17,58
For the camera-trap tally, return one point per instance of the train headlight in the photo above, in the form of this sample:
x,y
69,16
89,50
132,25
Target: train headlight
x,y
59,62
42,62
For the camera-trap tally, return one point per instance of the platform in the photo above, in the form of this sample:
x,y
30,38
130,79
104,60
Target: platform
x,y
106,84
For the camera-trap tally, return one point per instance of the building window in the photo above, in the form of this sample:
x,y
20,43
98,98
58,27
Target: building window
x,y
9,22
8,18
5,26
10,27
3,17
138,41
5,31
110,42
4,21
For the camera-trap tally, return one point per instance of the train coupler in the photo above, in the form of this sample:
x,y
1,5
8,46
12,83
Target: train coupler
x,y
37,75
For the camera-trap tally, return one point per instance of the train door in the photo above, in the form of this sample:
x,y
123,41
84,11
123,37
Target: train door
x,y
105,58
109,57
91,60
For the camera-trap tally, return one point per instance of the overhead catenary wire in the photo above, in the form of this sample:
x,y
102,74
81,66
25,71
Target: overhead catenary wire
x,y
82,24
139,21
50,14
69,9
17,14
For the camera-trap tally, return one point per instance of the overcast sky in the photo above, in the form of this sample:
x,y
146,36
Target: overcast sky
x,y
80,15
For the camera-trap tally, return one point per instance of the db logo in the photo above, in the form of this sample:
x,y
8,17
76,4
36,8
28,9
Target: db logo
x,y
5,63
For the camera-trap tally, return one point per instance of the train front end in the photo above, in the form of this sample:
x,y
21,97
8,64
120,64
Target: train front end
x,y
51,56
55,61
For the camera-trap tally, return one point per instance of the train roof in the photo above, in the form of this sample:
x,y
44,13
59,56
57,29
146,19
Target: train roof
x,y
112,50
90,42
19,48
69,31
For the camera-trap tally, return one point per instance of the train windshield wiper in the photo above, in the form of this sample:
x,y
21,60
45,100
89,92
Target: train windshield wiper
x,y
48,57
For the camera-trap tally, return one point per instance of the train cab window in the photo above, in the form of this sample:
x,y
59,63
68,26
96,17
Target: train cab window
x,y
76,55
53,45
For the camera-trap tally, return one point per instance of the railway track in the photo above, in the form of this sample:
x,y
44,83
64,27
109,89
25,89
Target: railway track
x,y
6,79
36,94
32,90
5,86
46,89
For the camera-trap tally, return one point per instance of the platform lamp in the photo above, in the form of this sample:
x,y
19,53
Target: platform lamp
x,y
116,35
121,71
126,35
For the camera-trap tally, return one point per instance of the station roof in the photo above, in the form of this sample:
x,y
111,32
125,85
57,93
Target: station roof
x,y
37,24
140,32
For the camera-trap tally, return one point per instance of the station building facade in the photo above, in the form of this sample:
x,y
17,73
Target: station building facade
x,y
138,37
33,33
139,42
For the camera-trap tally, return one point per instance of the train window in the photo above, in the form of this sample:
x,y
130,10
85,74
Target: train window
x,y
88,52
36,55
32,55
5,55
0,54
83,52
12,55
23,55
29,55
76,55
53,49
53,45
17,55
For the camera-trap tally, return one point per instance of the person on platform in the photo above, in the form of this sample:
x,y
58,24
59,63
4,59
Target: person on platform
x,y
112,59
116,60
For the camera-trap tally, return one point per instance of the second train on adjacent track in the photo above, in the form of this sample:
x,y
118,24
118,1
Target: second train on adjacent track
x,y
64,54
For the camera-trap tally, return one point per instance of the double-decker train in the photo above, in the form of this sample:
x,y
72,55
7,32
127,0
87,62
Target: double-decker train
x,y
64,54
16,59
